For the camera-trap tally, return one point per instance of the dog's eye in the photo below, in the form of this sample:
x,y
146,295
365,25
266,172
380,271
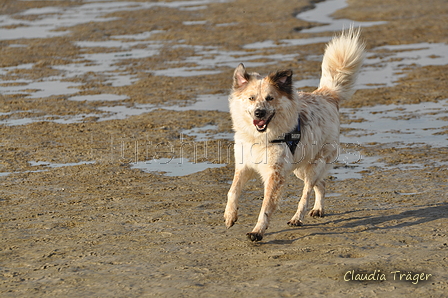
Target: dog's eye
x,y
269,98
252,98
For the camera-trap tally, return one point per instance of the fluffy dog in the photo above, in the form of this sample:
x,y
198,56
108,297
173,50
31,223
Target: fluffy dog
x,y
279,130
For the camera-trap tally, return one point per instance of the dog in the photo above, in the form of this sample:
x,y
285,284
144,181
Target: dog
x,y
279,130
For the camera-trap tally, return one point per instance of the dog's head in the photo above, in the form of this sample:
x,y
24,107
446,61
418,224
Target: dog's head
x,y
262,97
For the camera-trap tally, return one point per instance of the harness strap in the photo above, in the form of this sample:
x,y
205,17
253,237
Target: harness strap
x,y
292,138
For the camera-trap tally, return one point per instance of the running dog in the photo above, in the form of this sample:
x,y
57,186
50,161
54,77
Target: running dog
x,y
279,130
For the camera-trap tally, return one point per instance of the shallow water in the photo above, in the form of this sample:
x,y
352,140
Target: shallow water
x,y
46,166
99,97
322,13
379,70
207,133
406,125
50,19
383,66
174,167
206,102
58,165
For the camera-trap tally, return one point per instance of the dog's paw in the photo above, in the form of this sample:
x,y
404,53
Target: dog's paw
x,y
254,236
230,223
317,213
230,219
295,223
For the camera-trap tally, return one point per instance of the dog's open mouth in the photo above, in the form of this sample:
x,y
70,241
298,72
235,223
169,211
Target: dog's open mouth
x,y
262,125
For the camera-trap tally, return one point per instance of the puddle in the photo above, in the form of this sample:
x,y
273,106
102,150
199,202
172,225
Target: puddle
x,y
52,86
286,42
334,194
47,165
322,14
209,60
127,37
352,164
185,72
34,89
190,23
47,118
206,102
99,97
206,133
385,65
347,172
408,125
106,63
5,70
368,163
174,167
58,165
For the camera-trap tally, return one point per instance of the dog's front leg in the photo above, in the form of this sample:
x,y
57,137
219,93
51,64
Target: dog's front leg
x,y
240,178
272,192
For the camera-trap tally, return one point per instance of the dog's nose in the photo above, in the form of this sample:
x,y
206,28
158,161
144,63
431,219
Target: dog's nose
x,y
260,113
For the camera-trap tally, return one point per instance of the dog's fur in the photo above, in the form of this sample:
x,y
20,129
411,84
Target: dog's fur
x,y
265,108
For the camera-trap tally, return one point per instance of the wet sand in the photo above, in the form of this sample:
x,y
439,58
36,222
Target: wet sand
x,y
78,219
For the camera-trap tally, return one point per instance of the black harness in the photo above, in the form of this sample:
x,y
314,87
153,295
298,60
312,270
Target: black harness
x,y
292,138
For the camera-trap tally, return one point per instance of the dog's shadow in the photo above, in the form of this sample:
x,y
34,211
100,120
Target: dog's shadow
x,y
388,222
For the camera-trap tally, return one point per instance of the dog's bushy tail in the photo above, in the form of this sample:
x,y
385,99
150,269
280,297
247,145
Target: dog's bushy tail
x,y
341,63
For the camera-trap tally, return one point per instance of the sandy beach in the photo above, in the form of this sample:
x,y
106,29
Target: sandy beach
x,y
116,151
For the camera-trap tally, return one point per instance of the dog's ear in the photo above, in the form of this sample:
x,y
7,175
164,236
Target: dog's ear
x,y
240,77
282,80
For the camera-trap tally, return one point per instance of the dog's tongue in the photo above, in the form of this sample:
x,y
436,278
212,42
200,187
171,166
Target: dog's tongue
x,y
259,123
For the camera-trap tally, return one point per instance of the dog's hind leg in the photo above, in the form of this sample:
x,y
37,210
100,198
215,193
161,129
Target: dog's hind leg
x,y
296,220
312,178
240,178
319,190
